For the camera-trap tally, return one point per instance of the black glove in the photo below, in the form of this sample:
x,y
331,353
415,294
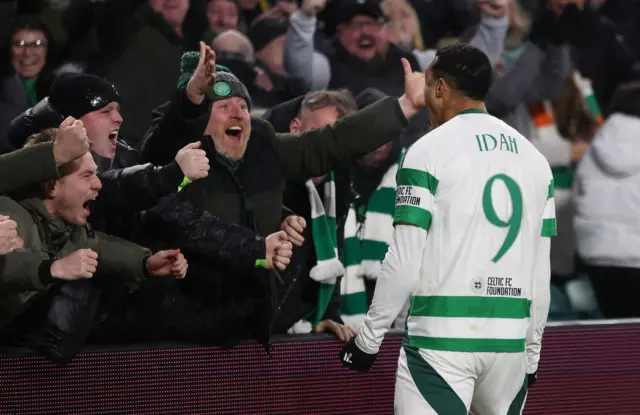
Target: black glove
x,y
531,379
355,359
546,30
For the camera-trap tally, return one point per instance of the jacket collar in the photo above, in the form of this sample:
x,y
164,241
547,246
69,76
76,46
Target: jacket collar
x,y
53,229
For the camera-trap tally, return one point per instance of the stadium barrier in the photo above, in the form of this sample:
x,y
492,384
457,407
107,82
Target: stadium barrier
x,y
587,368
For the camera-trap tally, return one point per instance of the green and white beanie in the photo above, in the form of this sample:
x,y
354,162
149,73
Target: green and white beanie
x,y
367,235
325,241
227,84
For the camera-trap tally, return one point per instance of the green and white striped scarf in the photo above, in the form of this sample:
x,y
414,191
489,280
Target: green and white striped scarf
x,y
365,246
325,242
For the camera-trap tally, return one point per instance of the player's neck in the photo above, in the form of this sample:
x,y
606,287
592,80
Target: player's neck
x,y
464,105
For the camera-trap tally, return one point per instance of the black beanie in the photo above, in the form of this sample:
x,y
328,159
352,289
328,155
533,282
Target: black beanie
x,y
265,30
74,94
368,97
227,84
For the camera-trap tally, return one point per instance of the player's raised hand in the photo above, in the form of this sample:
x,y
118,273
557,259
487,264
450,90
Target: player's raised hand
x,y
413,98
201,83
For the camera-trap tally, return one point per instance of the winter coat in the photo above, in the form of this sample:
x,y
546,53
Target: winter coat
x,y
27,166
607,195
26,278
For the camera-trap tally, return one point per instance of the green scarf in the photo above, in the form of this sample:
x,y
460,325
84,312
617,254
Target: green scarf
x,y
365,245
30,89
323,229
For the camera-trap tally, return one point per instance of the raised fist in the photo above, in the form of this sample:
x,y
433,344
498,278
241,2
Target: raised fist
x,y
9,239
279,251
193,162
71,141
294,226
80,264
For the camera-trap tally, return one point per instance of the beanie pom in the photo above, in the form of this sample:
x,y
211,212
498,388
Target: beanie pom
x,y
189,62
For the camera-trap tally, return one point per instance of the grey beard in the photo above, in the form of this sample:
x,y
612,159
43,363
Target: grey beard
x,y
222,152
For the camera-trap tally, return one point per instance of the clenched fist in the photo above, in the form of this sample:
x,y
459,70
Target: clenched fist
x,y
71,141
279,251
166,263
193,162
201,83
294,226
9,239
80,264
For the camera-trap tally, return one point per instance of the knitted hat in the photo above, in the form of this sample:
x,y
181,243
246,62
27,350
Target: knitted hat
x,y
352,8
77,94
227,84
265,30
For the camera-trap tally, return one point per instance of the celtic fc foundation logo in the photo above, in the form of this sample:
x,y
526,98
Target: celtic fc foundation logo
x,y
222,89
477,284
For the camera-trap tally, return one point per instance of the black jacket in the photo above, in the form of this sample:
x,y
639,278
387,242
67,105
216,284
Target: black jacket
x,y
297,297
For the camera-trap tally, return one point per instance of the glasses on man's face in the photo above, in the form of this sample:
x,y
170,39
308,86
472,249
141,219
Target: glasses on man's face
x,y
35,45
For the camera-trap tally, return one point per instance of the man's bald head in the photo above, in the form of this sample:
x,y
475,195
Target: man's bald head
x,y
232,41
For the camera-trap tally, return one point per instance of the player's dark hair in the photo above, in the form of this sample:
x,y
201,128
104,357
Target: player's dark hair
x,y
466,68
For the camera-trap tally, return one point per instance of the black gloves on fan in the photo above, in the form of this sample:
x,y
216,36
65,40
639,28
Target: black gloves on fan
x,y
545,30
355,359
531,379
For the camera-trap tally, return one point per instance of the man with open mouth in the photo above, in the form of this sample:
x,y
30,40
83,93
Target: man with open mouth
x,y
249,161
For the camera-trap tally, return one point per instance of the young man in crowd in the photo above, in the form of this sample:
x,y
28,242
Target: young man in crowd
x,y
62,250
473,221
170,220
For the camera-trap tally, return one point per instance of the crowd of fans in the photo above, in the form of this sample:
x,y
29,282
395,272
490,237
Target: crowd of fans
x,y
252,147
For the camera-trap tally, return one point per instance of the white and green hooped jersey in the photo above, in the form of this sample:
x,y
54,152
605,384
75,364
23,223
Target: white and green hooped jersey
x,y
485,196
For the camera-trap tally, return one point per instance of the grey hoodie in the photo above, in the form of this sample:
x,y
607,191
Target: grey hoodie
x,y
607,195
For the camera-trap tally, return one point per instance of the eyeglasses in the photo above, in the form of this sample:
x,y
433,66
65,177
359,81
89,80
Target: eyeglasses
x,y
23,44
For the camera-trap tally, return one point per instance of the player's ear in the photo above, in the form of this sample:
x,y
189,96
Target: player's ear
x,y
440,88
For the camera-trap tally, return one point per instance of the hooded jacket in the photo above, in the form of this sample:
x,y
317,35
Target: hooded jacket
x,y
607,189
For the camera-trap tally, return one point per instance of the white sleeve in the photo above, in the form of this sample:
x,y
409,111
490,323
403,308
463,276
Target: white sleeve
x,y
396,282
541,285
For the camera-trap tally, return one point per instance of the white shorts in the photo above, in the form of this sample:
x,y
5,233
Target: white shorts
x,y
455,383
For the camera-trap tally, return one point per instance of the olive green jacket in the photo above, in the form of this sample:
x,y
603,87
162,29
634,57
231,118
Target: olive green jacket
x,y
26,273
27,166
